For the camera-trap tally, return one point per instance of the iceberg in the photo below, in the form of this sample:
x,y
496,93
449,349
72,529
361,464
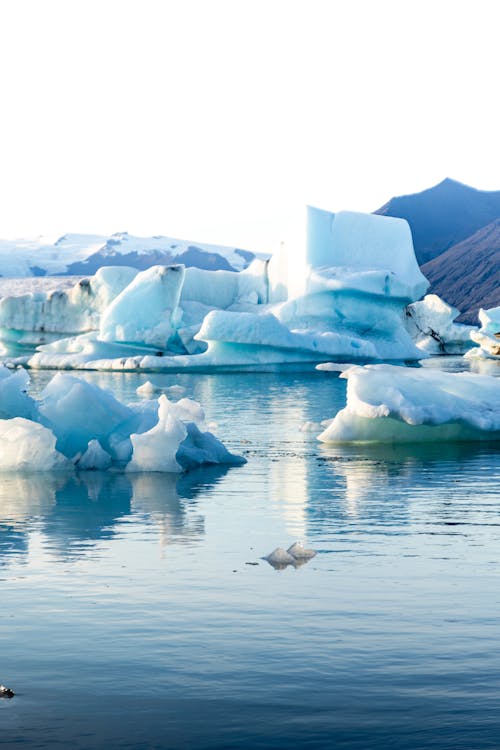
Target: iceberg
x,y
430,323
38,317
77,425
487,337
391,404
341,293
28,446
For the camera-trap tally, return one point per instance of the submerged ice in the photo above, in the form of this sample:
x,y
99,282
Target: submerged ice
x,y
77,424
341,293
390,404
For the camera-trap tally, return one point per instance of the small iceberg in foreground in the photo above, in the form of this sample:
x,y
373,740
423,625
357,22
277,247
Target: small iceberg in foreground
x,y
390,404
79,425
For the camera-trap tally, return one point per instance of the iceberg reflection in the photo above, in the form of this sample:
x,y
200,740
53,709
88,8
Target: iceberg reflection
x,y
66,517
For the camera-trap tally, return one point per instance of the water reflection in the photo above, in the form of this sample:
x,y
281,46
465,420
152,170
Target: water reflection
x,y
71,515
370,484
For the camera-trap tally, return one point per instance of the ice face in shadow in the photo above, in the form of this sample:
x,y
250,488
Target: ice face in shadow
x,y
77,424
395,404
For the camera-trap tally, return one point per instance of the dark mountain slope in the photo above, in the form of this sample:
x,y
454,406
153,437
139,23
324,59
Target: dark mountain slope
x,y
468,274
443,215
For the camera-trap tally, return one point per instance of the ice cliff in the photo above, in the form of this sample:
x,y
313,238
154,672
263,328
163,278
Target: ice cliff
x,y
341,293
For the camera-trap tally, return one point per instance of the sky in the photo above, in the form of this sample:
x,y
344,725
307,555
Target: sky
x,y
219,120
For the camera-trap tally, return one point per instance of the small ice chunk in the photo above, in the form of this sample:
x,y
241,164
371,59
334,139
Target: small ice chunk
x,y
280,556
299,552
147,389
94,458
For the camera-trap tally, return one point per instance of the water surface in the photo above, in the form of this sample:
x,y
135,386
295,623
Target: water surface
x,y
131,618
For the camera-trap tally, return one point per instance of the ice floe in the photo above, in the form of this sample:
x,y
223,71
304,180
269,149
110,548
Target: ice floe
x,y
386,403
76,424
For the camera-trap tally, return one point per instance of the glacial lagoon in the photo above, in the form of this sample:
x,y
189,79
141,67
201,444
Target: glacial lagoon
x,y
136,611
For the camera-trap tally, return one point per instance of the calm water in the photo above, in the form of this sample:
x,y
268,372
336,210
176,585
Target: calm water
x,y
130,617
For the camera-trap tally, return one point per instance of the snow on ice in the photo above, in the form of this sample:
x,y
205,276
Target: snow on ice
x,y
390,404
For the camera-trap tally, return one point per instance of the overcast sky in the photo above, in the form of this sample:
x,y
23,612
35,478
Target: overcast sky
x,y
217,120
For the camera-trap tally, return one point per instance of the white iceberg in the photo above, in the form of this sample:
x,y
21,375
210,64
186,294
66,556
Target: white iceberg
x,y
430,322
487,337
39,317
340,294
77,424
390,404
28,446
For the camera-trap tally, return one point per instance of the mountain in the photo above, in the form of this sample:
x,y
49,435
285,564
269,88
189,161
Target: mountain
x,y
444,215
468,274
83,254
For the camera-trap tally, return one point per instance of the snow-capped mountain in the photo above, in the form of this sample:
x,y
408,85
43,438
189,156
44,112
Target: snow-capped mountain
x,y
83,254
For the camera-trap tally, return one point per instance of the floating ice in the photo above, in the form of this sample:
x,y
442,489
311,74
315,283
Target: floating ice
x,y
341,294
488,336
77,424
146,311
299,552
430,323
35,318
386,403
147,389
28,446
280,556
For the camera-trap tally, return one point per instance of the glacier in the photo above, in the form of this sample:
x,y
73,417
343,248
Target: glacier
x,y
487,337
76,425
340,292
391,404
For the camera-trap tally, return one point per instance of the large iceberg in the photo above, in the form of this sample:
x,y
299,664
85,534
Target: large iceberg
x,y
341,293
78,425
487,337
390,404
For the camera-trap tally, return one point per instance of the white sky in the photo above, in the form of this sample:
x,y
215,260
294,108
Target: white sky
x,y
217,120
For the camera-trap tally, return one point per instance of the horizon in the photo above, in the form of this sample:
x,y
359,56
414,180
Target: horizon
x,y
57,236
